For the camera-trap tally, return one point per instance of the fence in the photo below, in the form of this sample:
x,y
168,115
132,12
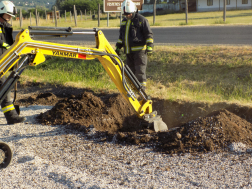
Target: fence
x,y
85,15
70,17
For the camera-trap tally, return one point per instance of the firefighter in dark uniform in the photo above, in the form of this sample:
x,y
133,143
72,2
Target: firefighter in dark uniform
x,y
136,37
7,10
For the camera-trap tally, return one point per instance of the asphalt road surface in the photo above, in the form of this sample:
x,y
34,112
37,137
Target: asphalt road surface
x,y
184,35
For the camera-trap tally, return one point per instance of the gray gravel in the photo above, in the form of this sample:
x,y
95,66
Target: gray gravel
x,y
54,157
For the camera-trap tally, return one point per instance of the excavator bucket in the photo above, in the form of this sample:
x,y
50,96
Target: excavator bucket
x,y
160,126
156,122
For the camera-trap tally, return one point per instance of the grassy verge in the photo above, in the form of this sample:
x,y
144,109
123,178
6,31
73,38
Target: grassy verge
x,y
175,19
191,73
63,71
214,74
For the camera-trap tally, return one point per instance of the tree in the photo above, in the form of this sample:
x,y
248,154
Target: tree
x,y
57,3
26,14
80,5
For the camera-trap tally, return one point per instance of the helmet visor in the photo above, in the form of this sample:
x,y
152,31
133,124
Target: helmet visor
x,y
126,14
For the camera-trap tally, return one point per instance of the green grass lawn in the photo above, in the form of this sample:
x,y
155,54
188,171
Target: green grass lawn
x,y
190,73
201,73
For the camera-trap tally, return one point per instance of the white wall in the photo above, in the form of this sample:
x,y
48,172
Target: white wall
x,y
218,5
149,7
201,6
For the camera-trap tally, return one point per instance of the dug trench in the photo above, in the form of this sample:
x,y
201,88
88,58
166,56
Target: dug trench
x,y
193,127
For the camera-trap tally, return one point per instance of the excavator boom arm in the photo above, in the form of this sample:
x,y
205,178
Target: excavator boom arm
x,y
35,51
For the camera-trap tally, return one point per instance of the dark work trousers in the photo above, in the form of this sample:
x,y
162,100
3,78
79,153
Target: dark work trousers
x,y
137,62
7,100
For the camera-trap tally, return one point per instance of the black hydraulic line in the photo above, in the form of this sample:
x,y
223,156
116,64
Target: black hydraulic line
x,y
122,67
45,36
130,74
112,56
132,77
10,64
11,80
21,64
68,29
8,85
50,32
122,71
126,69
57,31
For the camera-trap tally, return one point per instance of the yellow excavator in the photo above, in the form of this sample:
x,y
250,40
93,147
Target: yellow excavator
x,y
26,51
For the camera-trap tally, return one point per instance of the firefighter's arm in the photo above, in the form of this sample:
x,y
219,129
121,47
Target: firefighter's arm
x,y
148,34
119,43
4,45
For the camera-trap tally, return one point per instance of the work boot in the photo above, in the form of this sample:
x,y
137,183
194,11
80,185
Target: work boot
x,y
12,117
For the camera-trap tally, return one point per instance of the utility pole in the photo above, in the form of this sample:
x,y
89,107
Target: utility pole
x,y
55,14
107,19
186,10
36,16
154,12
21,18
99,15
65,16
75,16
224,10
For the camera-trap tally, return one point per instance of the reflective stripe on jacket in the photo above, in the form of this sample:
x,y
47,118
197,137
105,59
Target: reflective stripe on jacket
x,y
135,34
5,35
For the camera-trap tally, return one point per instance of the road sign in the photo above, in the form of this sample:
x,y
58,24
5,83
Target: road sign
x,y
115,5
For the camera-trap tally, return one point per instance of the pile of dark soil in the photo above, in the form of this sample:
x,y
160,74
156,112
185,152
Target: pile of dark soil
x,y
41,98
214,132
115,120
108,113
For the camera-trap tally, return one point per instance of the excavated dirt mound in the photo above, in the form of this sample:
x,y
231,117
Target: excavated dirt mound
x,y
213,132
108,113
114,120
41,98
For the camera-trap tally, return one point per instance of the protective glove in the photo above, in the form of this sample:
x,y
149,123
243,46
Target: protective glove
x,y
117,51
6,45
149,50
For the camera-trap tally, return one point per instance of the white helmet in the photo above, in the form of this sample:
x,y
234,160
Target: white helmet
x,y
128,7
8,7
